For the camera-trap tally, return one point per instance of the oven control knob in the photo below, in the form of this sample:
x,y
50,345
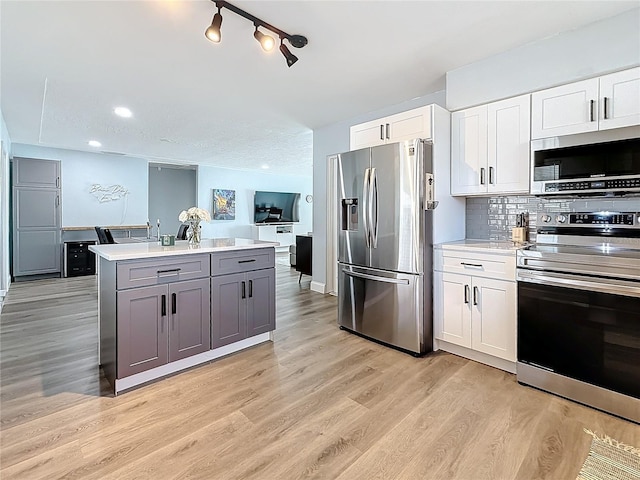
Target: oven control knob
x,y
561,218
545,218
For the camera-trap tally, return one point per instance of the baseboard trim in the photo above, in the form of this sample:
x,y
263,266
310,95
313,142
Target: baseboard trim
x,y
123,384
318,287
480,357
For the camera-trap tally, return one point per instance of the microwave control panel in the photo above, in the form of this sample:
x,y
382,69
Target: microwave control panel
x,y
587,185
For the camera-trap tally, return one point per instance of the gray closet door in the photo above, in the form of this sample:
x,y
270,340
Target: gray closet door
x,y
35,172
36,217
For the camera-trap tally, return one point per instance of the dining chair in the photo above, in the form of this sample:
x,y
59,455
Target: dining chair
x,y
182,232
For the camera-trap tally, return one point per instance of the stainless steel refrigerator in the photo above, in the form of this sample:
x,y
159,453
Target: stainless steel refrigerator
x,y
385,196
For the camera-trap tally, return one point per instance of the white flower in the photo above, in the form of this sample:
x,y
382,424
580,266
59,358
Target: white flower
x,y
194,214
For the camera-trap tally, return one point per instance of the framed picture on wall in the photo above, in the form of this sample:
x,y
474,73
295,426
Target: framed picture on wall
x,y
224,204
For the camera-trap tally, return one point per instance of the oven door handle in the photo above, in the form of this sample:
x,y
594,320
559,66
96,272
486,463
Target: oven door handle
x,y
602,285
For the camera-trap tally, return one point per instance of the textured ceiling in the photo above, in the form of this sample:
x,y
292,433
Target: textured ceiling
x,y
66,64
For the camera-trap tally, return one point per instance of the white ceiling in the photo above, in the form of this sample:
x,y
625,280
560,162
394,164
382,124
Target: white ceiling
x,y
66,64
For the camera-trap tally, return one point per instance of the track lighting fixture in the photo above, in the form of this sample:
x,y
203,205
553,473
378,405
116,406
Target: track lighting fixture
x,y
291,58
213,32
266,41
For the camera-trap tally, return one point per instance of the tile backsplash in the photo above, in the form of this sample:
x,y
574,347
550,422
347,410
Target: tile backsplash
x,y
492,218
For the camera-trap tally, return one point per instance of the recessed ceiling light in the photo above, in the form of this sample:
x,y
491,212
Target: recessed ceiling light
x,y
123,112
94,143
265,166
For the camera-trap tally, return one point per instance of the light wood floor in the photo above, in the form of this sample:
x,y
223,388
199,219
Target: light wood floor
x,y
316,403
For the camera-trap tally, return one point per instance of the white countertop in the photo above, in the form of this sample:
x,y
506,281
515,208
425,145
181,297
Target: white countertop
x,y
505,248
132,251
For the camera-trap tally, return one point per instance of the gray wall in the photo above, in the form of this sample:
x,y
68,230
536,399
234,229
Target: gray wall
x,y
334,139
171,190
601,47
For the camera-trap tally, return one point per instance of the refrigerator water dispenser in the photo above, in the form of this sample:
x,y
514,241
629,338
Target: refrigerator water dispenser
x,y
349,214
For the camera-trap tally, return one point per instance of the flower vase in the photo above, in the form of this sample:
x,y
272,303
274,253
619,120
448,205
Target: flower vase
x,y
194,233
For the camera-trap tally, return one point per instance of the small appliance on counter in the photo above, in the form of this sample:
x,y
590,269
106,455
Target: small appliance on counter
x,y
519,232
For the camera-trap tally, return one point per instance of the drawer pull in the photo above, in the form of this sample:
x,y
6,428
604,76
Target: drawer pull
x,y
173,270
247,261
475,265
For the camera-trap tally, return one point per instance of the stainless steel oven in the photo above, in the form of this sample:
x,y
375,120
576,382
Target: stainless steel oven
x,y
579,310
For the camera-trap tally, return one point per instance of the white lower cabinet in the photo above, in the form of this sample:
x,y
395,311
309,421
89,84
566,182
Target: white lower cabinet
x,y
474,311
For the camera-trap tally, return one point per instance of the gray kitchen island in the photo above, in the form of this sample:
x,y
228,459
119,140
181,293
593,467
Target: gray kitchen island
x,y
162,309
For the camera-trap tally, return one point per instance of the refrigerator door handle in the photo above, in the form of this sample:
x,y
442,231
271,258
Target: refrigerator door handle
x,y
365,207
374,205
377,279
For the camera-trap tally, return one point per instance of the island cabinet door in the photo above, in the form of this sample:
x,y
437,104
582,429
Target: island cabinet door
x,y
228,309
261,306
143,330
190,329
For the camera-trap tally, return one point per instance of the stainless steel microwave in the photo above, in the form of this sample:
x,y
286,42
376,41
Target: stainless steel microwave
x,y
603,168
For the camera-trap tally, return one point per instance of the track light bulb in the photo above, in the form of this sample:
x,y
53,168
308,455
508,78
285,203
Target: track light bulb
x,y
213,32
291,58
266,41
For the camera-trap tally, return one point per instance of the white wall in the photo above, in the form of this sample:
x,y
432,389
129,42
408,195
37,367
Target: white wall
x,y
81,170
601,47
245,183
5,277
335,139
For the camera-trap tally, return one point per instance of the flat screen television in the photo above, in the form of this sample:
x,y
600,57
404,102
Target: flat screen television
x,y
276,207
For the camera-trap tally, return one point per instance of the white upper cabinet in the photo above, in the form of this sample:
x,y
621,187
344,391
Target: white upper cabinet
x,y
469,151
490,148
610,101
620,94
402,126
508,145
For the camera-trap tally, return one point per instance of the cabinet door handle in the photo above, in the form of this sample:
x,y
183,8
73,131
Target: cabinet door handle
x,y
174,307
475,295
482,179
606,104
592,104
250,288
172,270
164,305
476,265
381,132
57,182
466,294
491,175
244,295
247,261
57,200
388,130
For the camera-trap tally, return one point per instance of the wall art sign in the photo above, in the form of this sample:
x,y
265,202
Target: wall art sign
x,y
108,193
